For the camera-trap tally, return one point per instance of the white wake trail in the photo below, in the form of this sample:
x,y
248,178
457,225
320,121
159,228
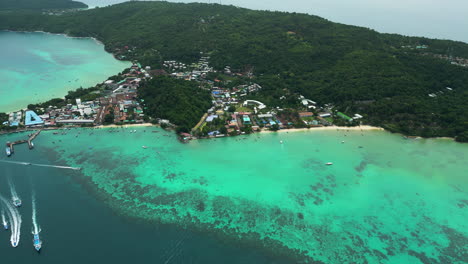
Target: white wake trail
x,y
15,219
36,228
4,221
14,194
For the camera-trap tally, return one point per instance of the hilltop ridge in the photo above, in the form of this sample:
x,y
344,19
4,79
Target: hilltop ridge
x,y
40,4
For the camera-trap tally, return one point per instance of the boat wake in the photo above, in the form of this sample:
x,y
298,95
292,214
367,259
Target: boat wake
x,y
36,229
14,195
4,221
15,220
40,165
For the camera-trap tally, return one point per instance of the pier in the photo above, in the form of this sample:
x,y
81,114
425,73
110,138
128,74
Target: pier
x,y
30,139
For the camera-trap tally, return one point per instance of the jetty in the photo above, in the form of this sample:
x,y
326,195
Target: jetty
x,y
30,139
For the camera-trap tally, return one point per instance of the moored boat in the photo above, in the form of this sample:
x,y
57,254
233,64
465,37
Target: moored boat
x,y
8,150
329,163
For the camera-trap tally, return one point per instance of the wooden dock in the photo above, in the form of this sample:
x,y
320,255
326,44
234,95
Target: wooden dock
x,y
30,139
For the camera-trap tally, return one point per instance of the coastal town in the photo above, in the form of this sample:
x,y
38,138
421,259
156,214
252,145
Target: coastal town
x,y
115,101
200,132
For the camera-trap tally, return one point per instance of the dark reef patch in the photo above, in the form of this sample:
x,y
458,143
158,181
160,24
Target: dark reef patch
x,y
361,167
335,239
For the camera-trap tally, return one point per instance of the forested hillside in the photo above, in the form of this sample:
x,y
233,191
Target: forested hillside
x,y
382,76
39,4
180,101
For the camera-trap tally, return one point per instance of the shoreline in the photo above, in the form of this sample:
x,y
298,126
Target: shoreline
x,y
286,130
97,41
65,128
327,128
356,128
125,126
322,128
68,36
59,34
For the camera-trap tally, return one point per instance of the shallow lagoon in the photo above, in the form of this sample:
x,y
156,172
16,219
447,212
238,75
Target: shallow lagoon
x,y
35,67
385,199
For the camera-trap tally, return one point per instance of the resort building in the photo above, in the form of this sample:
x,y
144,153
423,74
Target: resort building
x,y
32,119
260,104
14,118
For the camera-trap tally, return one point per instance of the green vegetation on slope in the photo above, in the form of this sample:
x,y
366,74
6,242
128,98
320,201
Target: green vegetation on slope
x,y
180,101
40,4
3,118
356,69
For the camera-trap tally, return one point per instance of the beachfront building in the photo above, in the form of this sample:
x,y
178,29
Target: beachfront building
x,y
14,118
75,121
32,119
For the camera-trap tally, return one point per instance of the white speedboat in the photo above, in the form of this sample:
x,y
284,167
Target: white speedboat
x,y
17,202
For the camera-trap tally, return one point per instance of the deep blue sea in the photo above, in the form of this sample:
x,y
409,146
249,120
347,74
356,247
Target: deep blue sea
x,y
79,228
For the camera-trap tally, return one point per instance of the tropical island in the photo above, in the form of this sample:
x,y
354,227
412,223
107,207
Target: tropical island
x,y
213,70
333,193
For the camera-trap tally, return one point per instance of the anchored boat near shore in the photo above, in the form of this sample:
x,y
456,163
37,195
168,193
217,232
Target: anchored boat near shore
x,y
10,145
8,149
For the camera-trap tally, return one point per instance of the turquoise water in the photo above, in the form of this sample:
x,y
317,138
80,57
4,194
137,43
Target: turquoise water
x,y
35,67
384,200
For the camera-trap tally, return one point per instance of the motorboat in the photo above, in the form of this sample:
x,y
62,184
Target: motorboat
x,y
17,202
37,242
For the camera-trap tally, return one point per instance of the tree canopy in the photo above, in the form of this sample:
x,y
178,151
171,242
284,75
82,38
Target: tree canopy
x,y
180,101
40,4
385,77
